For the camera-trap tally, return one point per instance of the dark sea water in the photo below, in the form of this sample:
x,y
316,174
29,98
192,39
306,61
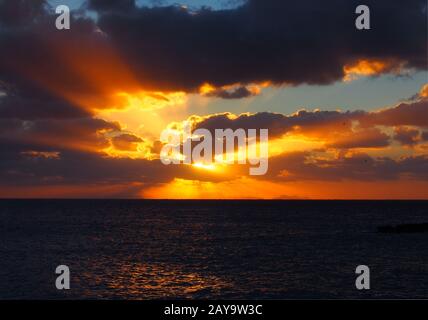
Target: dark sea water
x,y
125,249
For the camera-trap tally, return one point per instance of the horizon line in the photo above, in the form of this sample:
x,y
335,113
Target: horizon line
x,y
222,199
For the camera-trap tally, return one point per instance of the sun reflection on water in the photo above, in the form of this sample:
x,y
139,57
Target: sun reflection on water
x,y
152,280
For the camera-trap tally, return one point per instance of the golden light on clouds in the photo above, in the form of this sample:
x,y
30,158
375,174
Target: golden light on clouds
x,y
150,101
140,150
368,68
293,143
206,88
424,91
252,89
146,114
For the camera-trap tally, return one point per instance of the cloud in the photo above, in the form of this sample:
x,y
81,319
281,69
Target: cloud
x,y
68,152
126,142
280,41
406,136
333,125
357,167
371,68
38,107
32,165
404,114
77,134
41,154
423,93
111,5
368,138
71,150
238,92
173,49
275,122
13,13
53,83
301,122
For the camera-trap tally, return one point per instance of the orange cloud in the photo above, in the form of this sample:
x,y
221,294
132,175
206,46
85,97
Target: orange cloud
x,y
90,74
370,67
424,91
362,138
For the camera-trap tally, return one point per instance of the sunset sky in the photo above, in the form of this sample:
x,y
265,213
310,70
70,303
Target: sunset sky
x,y
82,110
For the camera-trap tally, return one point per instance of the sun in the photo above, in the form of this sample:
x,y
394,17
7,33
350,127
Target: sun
x,y
200,165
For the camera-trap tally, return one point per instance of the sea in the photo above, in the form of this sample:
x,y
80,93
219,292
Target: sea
x,y
213,249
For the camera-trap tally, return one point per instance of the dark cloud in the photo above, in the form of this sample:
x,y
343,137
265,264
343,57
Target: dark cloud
x,y
19,12
406,136
236,93
278,124
368,138
31,108
290,42
76,167
407,114
23,165
156,147
329,124
111,5
358,167
171,48
126,142
79,133
36,80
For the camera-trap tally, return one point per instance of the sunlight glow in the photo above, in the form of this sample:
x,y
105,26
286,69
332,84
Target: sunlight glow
x,y
204,166
152,100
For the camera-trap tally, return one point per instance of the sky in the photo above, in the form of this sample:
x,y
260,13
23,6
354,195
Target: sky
x,y
82,110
